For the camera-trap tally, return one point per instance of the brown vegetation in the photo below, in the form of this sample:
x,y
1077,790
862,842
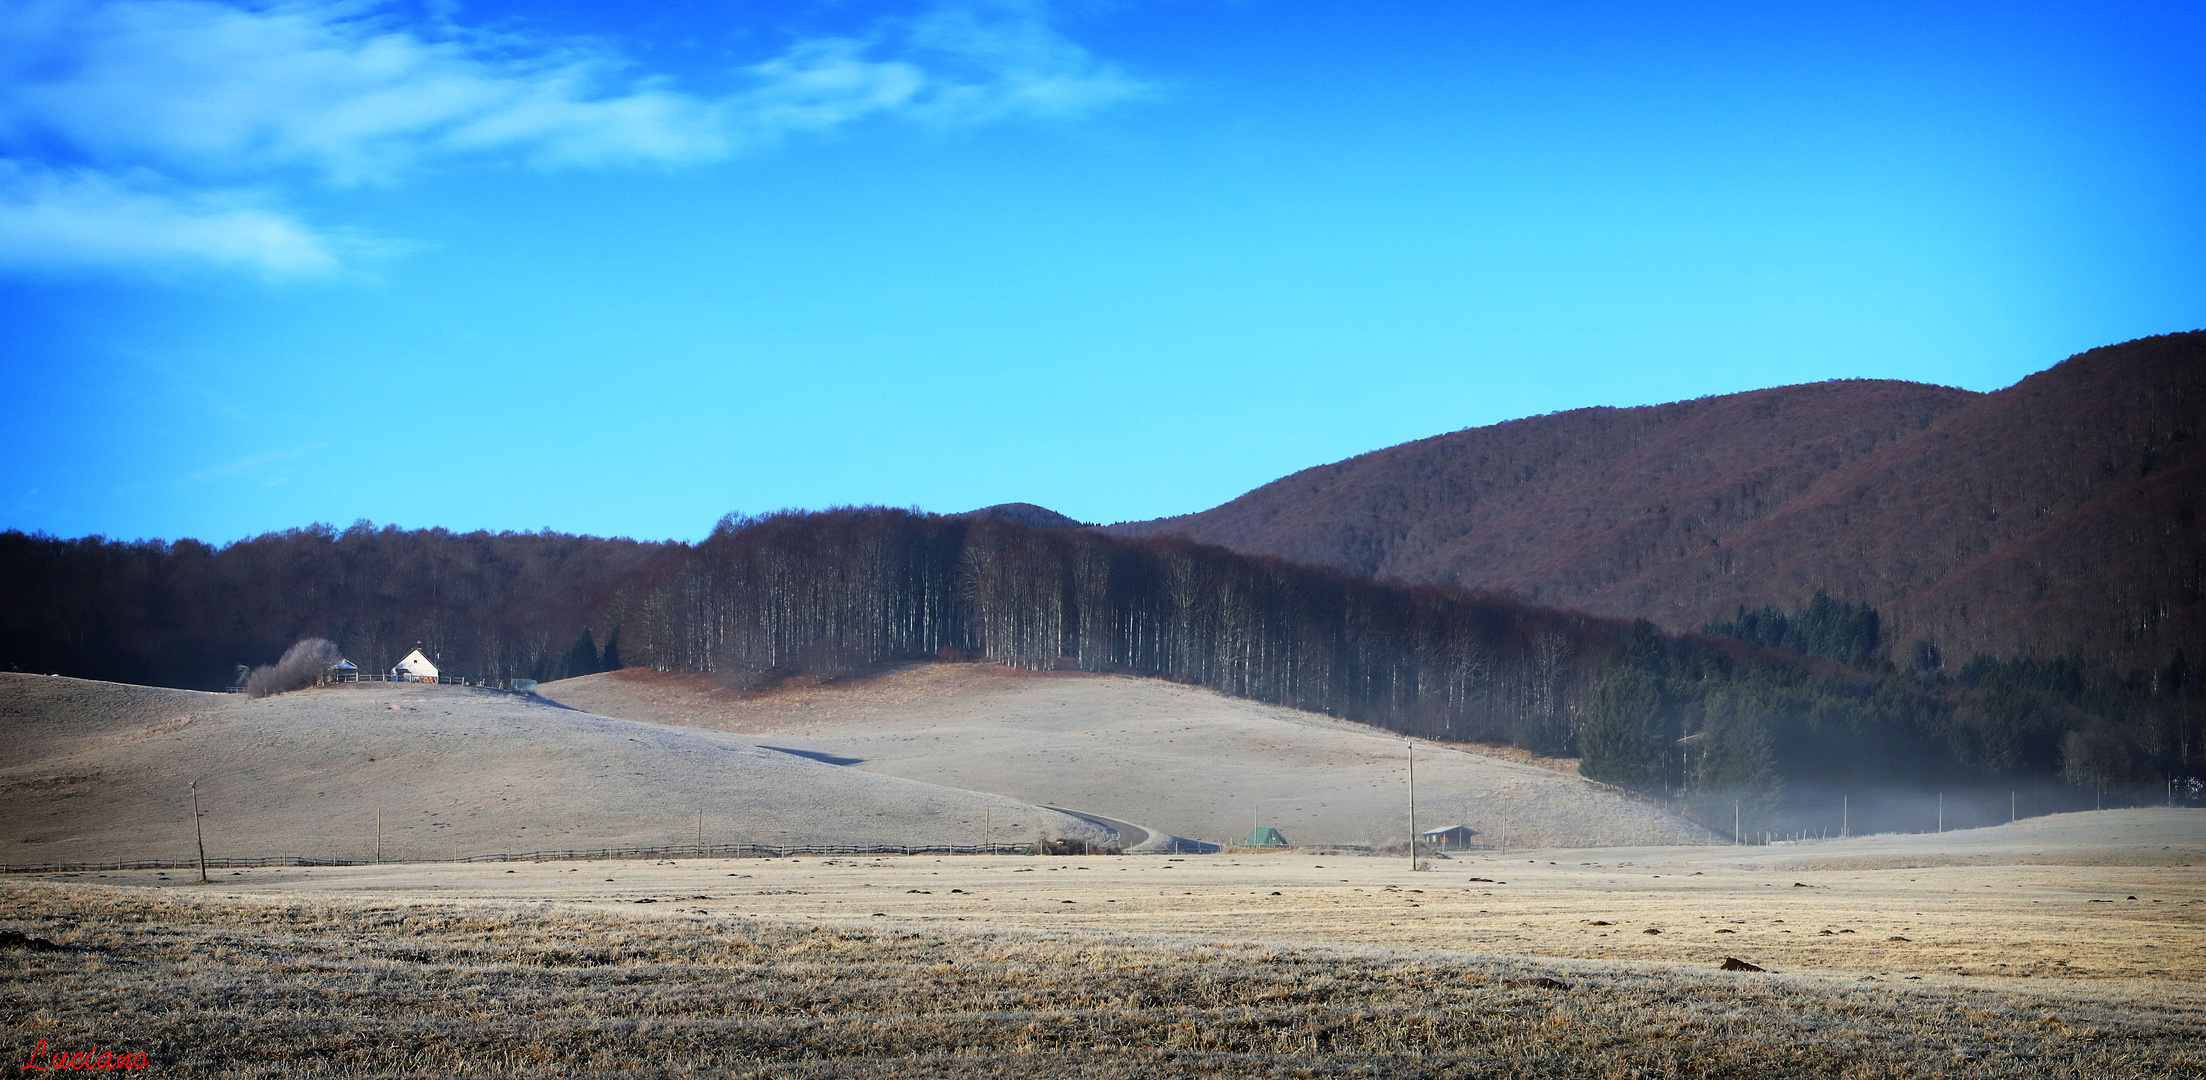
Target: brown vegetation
x,y
1926,523
1246,966
2060,516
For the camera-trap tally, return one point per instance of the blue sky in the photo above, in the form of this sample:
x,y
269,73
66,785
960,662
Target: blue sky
x,y
514,266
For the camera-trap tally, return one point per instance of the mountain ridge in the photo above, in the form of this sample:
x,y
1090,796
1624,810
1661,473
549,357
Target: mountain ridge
x,y
1975,522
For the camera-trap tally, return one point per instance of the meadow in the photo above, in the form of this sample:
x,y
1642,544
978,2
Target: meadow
x,y
2016,951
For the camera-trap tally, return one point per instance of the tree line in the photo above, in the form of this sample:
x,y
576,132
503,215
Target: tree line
x,y
825,593
1749,714
492,606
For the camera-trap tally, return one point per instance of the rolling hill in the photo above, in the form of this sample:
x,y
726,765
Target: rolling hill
x,y
2058,516
1179,759
93,771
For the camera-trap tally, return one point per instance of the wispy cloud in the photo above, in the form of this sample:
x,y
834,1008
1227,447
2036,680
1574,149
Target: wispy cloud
x,y
170,110
248,467
81,218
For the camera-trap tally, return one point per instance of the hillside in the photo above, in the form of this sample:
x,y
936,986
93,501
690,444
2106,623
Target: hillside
x,y
1184,760
1027,514
96,771
2057,516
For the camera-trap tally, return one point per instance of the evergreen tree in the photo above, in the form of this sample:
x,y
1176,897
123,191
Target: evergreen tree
x,y
1623,734
1733,757
582,659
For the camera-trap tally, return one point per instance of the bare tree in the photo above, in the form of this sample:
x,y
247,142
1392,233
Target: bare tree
x,y
303,664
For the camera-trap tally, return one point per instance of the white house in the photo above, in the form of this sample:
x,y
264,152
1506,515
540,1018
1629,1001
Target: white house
x,y
415,668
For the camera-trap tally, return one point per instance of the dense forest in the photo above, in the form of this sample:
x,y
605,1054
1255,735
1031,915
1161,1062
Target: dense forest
x,y
2062,516
1825,627
491,606
1776,719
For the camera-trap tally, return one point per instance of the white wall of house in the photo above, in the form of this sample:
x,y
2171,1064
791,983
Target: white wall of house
x,y
415,666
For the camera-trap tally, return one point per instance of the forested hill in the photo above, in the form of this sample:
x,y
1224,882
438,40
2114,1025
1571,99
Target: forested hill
x,y
2062,517
1706,720
187,614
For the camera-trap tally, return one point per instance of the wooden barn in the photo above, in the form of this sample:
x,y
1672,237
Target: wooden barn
x,y
1452,838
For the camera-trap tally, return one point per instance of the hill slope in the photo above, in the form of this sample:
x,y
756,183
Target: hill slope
x,y
2059,515
1181,759
95,771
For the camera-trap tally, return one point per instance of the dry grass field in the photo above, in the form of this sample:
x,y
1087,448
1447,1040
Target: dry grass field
x,y
93,771
2024,954
1177,760
2061,946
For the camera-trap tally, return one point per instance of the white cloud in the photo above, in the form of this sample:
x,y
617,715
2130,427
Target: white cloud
x,y
113,99
85,219
1020,64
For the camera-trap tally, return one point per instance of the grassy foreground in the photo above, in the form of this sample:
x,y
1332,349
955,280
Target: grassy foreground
x,y
208,984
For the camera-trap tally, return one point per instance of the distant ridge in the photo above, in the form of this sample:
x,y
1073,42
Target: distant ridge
x,y
1027,514
2059,516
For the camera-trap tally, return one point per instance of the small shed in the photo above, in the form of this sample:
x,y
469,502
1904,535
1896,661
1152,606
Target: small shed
x,y
1452,838
1265,836
415,668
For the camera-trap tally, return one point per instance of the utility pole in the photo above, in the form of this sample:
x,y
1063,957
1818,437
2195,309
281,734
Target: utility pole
x,y
1411,748
379,835
1735,841
1941,812
988,827
2011,815
700,830
197,834
1845,815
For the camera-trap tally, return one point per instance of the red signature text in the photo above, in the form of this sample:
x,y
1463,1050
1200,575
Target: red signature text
x,y
45,1060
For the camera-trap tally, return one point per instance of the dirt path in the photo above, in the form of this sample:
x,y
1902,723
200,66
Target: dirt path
x,y
1129,837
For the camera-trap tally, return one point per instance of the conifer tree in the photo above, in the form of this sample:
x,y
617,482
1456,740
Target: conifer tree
x,y
582,659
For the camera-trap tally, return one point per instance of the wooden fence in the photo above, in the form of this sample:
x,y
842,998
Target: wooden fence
x,y
444,680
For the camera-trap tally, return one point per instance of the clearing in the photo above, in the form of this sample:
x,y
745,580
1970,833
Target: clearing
x,y
1171,759
93,771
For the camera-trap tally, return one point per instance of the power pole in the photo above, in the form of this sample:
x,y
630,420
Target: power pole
x,y
379,835
2011,815
197,834
700,830
1845,815
1411,748
1941,812
1735,841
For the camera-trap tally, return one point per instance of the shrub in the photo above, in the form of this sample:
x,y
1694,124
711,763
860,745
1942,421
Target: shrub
x,y
303,664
